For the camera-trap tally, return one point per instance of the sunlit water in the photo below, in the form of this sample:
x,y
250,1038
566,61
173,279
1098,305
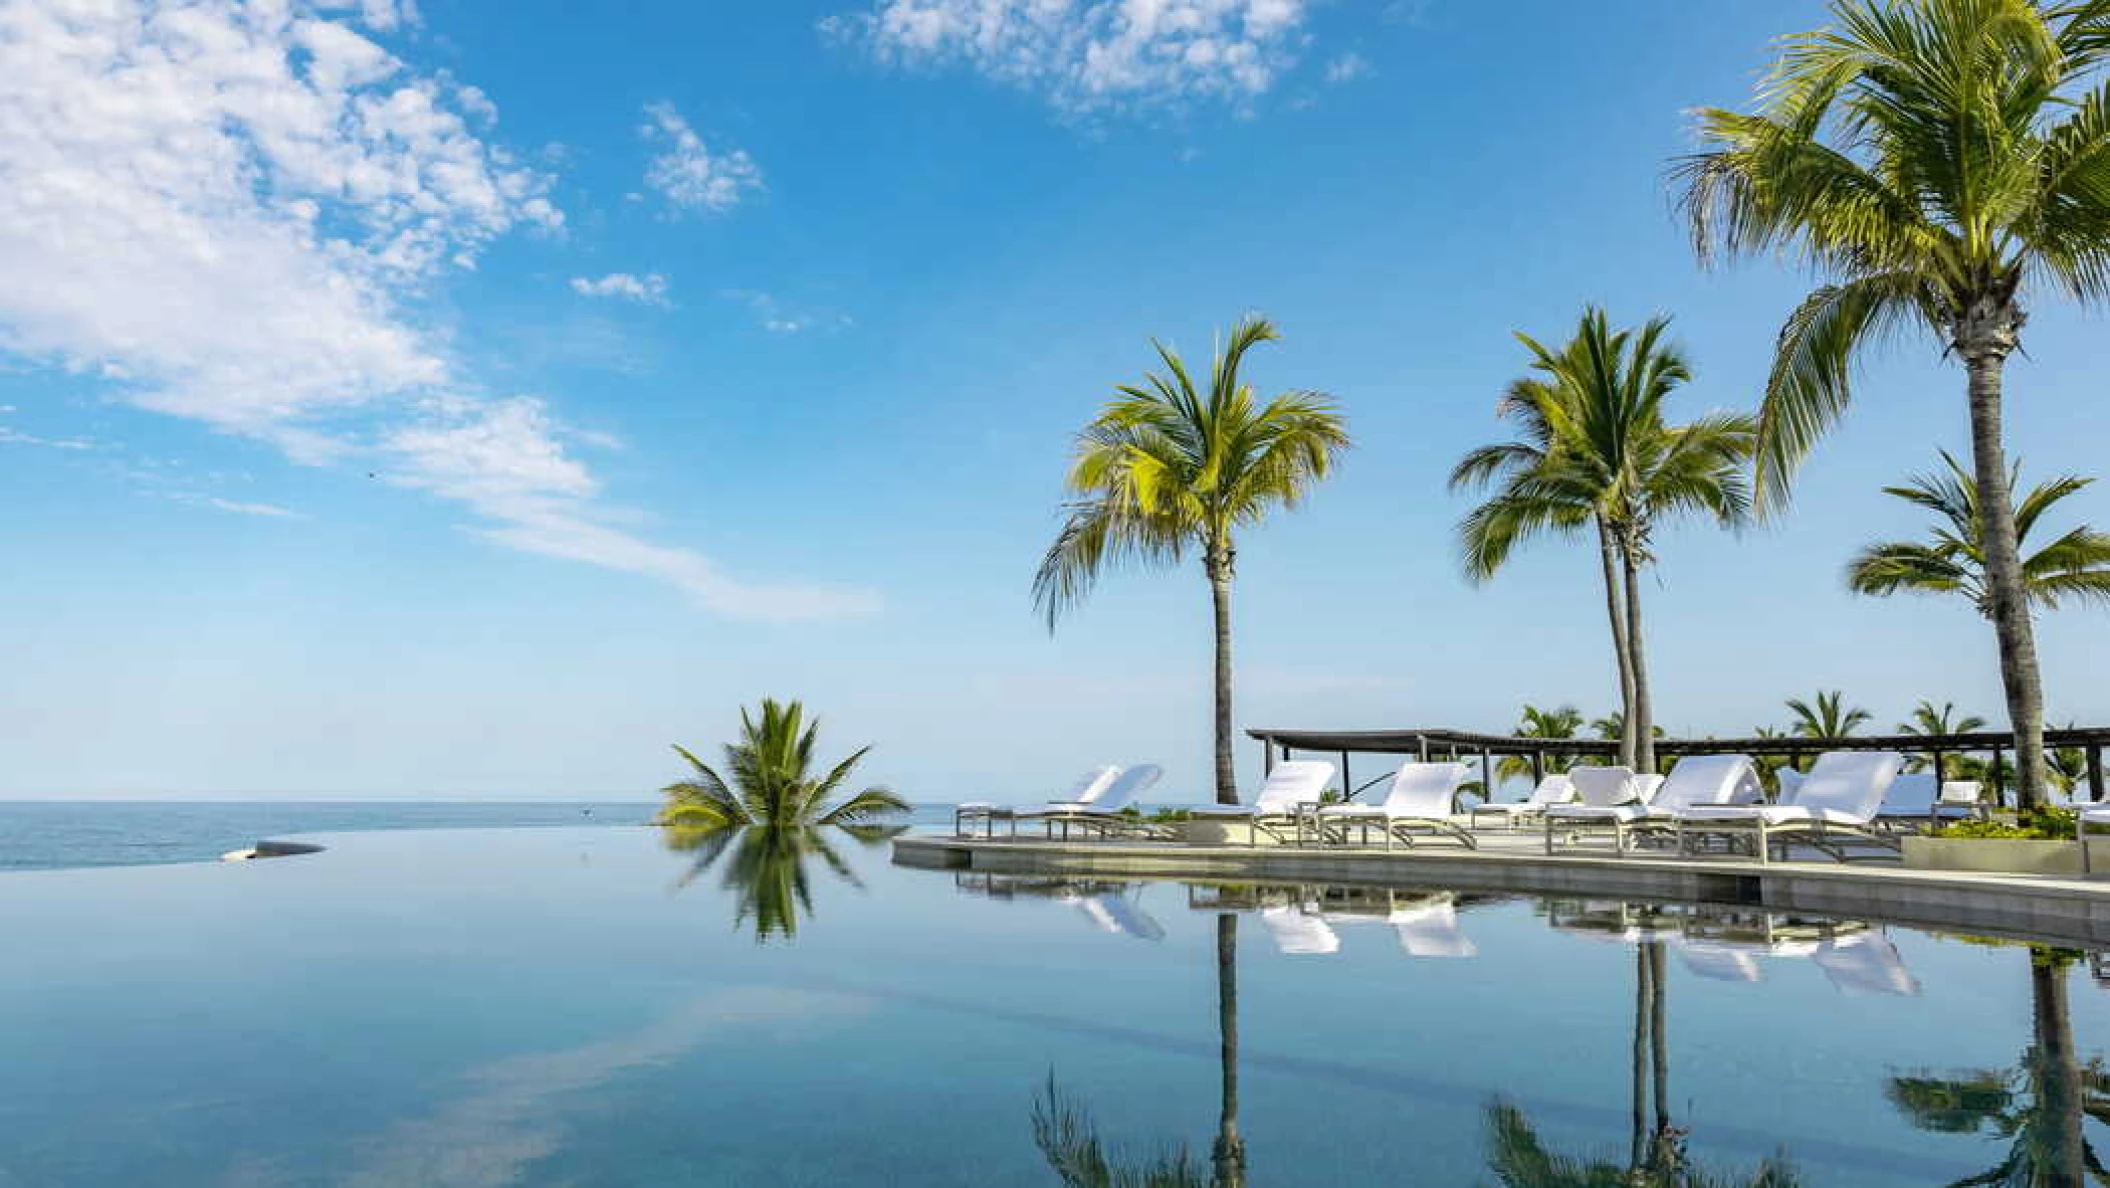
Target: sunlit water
x,y
582,1006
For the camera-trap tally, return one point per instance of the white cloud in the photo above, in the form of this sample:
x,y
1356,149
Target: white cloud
x,y
269,510
1347,68
774,316
687,173
232,210
649,289
1093,55
17,437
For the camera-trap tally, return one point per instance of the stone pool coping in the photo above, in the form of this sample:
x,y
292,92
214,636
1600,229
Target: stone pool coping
x,y
2020,907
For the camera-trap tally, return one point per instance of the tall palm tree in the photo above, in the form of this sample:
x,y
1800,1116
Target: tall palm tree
x,y
1932,158
2076,565
1560,722
773,780
1168,470
1930,722
1826,716
1598,453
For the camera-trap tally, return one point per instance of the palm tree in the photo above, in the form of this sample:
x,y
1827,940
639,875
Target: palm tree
x,y
2076,565
2067,769
1598,453
1560,722
772,780
1827,716
1769,766
1167,470
1929,722
765,867
1931,157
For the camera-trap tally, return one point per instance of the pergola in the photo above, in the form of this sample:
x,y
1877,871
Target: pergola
x,y
1441,743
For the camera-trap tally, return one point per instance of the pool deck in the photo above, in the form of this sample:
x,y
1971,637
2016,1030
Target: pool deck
x,y
2033,907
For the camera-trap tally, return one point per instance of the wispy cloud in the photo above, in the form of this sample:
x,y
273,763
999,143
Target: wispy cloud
x,y
1088,56
233,213
1347,68
267,510
690,175
777,317
649,289
17,437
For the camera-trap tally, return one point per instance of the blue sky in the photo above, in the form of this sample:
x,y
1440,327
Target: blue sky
x,y
473,399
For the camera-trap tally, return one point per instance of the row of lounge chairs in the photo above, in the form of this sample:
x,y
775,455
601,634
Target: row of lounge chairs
x,y
1706,804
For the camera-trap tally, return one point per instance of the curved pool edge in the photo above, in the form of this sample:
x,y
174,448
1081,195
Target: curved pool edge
x,y
2020,907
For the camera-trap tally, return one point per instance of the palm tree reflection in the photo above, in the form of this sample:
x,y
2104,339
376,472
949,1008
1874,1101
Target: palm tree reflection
x,y
766,868
2039,1104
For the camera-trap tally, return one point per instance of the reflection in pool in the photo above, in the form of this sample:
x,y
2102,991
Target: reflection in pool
x,y
571,1007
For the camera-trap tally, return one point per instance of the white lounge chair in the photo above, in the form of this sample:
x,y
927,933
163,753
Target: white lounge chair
x,y
1554,789
1866,963
1106,813
1291,786
2094,816
1836,803
1422,797
1596,787
1696,780
1916,801
1087,789
1297,932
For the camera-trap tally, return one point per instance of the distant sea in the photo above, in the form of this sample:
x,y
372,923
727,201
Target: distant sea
x,y
47,835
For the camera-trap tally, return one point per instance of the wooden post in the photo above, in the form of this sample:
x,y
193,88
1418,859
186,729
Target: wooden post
x,y
1267,757
2095,771
1538,768
1999,779
1347,781
1487,776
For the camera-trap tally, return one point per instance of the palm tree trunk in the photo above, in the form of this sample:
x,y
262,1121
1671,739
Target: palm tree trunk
x,y
1658,1053
1617,611
1637,1147
2059,1075
1228,1154
1985,344
1220,596
1640,718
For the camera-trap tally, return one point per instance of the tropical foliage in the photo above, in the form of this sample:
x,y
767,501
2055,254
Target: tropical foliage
x,y
773,780
1928,721
1169,470
1519,1159
2075,567
1069,1141
1560,722
768,869
1932,159
1825,716
1595,454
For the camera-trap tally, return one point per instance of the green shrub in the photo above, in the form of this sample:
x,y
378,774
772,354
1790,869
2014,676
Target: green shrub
x,y
2044,824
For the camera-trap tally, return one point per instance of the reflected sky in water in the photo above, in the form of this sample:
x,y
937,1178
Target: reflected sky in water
x,y
572,1007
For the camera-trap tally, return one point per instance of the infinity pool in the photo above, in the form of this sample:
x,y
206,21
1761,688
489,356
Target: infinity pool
x,y
586,1007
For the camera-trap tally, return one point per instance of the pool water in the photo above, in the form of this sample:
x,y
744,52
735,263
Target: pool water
x,y
587,1007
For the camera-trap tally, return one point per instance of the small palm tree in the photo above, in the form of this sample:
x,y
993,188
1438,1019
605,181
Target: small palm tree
x,y
2075,566
1560,722
1520,1159
1769,766
1598,454
1169,470
2067,769
1934,158
1928,721
773,781
1826,716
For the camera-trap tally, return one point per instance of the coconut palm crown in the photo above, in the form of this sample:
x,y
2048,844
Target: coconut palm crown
x,y
773,779
2076,566
1169,470
1933,160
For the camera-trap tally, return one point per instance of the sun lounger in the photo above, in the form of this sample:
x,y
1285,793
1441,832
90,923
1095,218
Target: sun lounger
x,y
1422,798
1297,932
1554,789
1107,812
2093,816
1276,811
1835,805
1866,963
1720,962
1915,801
1596,788
1088,788
1696,780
